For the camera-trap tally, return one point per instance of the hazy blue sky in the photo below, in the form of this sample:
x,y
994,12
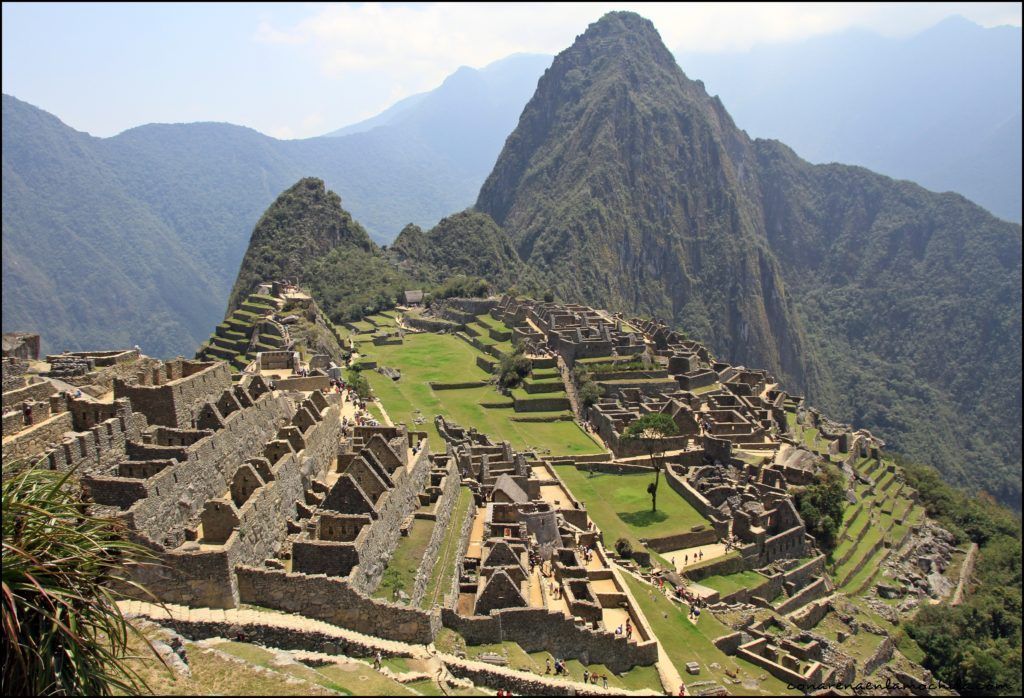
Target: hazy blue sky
x,y
297,70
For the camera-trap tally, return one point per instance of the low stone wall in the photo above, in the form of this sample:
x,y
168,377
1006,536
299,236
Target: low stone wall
x,y
767,590
434,385
683,488
36,440
281,638
550,404
803,597
303,384
518,682
882,655
705,536
34,391
333,600
537,630
811,614
799,576
727,565
431,324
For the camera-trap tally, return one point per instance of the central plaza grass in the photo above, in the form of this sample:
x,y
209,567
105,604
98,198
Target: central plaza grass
x,y
621,506
684,642
443,358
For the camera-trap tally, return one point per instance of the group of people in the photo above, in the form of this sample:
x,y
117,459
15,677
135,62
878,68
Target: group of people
x,y
626,629
560,669
697,556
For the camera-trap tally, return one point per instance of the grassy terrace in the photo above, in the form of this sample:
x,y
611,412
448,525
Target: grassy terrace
x,y
621,507
444,567
446,359
351,679
728,583
684,642
400,574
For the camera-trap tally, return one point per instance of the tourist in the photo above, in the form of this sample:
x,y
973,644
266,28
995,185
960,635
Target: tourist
x,y
586,676
26,412
377,661
682,689
547,665
604,680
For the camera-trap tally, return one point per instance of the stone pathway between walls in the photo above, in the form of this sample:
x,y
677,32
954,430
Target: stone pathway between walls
x,y
243,617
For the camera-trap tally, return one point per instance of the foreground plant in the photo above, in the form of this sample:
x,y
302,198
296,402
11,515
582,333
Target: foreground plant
x,y
63,633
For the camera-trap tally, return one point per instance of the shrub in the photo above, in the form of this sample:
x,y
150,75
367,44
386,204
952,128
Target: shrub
x,y
624,548
63,633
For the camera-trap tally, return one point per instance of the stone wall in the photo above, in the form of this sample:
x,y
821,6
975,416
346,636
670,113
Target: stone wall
x,y
177,402
809,593
280,637
520,683
537,630
203,575
443,510
726,565
304,384
177,494
333,600
36,440
100,447
382,538
550,404
704,536
34,391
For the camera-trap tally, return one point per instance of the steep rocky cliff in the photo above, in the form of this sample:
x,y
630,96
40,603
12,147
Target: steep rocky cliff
x,y
627,186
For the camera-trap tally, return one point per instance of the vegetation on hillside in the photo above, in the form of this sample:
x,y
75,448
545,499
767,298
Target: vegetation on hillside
x,y
821,507
974,647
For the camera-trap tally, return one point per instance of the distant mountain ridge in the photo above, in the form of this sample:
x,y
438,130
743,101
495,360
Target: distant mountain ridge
x,y
941,108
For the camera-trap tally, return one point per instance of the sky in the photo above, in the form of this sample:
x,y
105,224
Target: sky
x,y
298,70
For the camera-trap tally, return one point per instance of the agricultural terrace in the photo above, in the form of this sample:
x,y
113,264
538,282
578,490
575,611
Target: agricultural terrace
x,y
443,358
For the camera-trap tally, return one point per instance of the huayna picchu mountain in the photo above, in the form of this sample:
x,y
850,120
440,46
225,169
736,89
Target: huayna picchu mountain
x,y
305,236
626,185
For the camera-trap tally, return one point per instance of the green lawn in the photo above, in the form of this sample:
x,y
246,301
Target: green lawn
x,y
446,359
401,570
684,642
729,583
621,507
444,568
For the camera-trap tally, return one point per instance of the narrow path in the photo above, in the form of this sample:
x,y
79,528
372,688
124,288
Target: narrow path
x,y
966,570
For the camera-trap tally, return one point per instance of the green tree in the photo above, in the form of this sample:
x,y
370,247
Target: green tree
x,y
651,430
357,381
821,507
63,633
513,368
